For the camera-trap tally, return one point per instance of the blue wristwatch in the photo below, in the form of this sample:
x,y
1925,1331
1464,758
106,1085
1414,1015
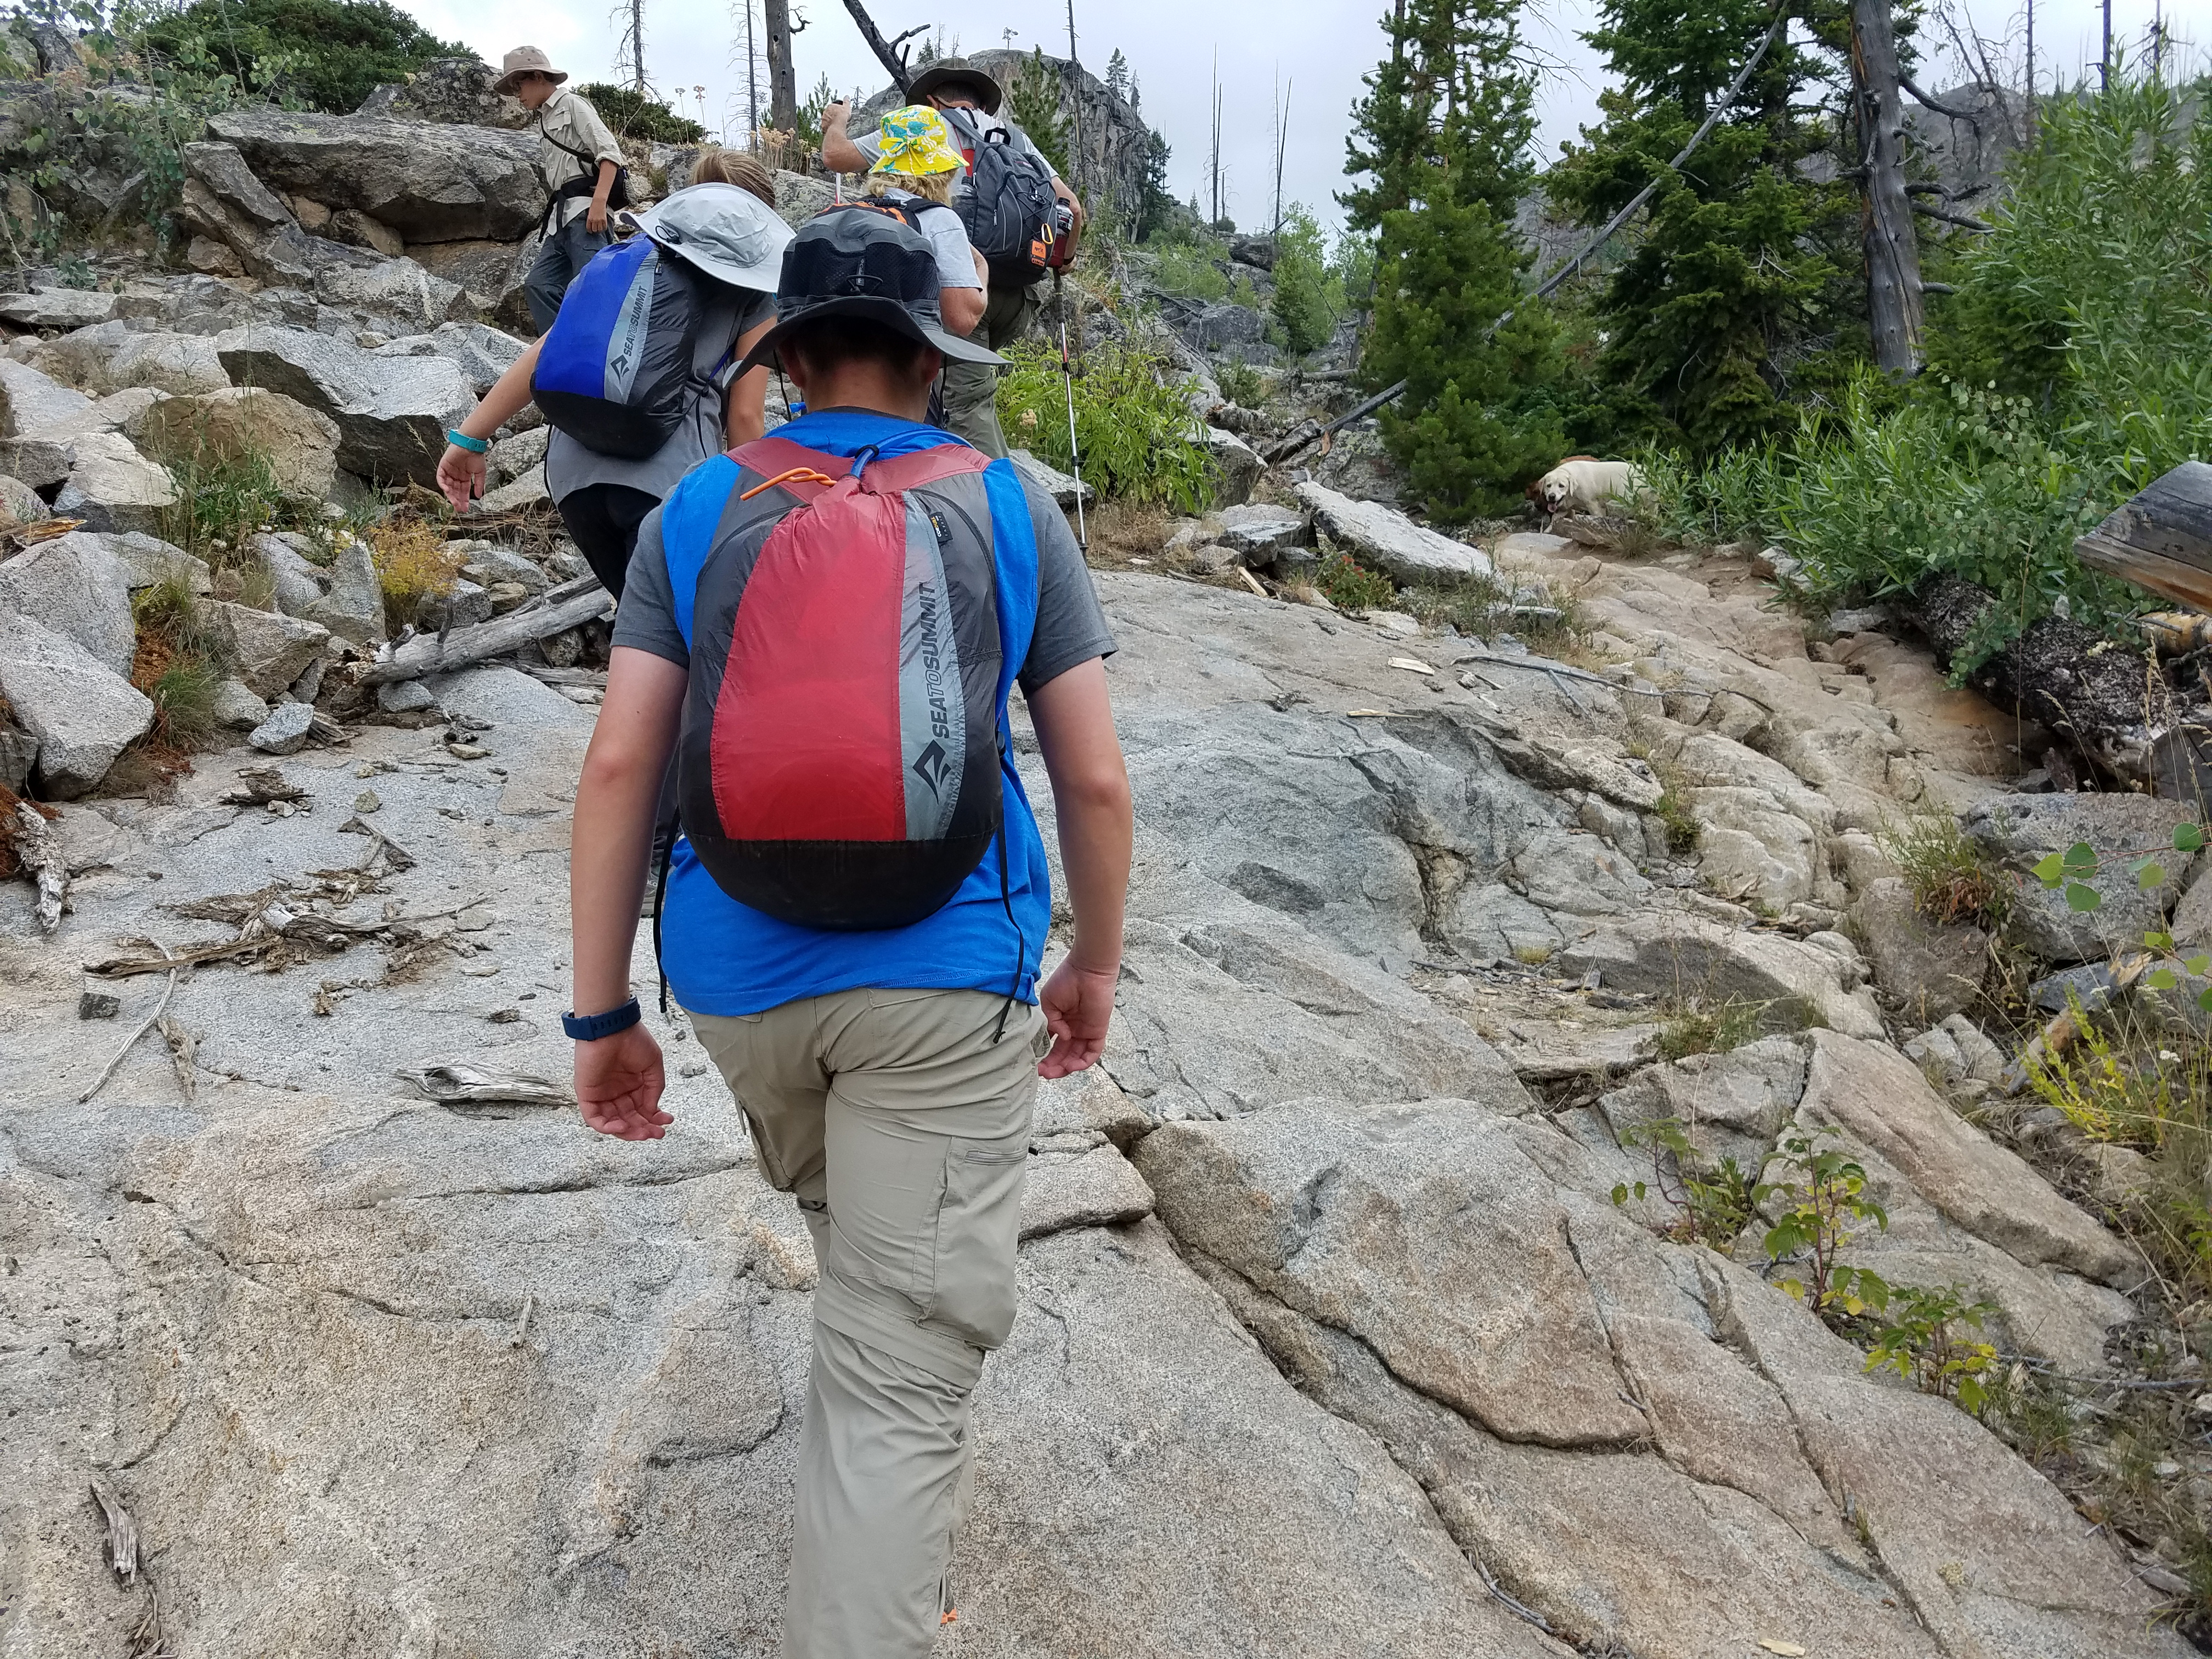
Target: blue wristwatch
x,y
590,1028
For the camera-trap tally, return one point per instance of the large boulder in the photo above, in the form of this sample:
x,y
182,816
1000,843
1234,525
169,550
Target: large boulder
x,y
57,307
399,288
351,604
392,413
456,91
75,586
1677,955
114,356
1387,540
492,271
300,444
33,404
1213,327
430,183
2021,830
482,353
111,486
1236,467
82,713
268,650
1930,969
226,207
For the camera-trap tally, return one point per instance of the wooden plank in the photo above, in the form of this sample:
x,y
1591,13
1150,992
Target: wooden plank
x,y
2172,519
2185,583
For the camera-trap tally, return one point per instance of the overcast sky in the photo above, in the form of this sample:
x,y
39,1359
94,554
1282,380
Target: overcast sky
x,y
1318,48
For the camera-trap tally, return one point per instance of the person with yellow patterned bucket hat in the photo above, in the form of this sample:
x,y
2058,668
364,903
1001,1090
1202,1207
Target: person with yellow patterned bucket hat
x,y
969,100
914,175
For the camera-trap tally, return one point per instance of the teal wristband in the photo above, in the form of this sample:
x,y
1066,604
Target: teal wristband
x,y
461,440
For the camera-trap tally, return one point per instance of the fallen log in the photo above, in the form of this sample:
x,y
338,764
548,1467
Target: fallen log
x,y
2114,703
2160,538
555,611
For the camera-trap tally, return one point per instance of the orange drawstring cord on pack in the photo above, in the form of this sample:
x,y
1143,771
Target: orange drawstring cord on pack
x,y
797,475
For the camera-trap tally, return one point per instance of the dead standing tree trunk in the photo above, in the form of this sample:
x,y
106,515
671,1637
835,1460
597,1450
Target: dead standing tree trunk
x,y
1895,302
783,74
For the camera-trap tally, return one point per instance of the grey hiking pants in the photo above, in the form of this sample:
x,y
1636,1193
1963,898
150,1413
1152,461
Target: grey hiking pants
x,y
971,390
902,1130
560,257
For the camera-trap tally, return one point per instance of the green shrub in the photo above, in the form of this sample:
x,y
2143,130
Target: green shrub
x,y
635,116
178,665
1308,294
326,54
222,501
1187,269
2072,366
1140,440
1240,384
1350,585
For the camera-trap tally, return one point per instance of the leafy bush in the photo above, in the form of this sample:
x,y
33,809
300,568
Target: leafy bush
x,y
1187,269
326,54
2072,366
633,115
1350,585
178,665
1140,440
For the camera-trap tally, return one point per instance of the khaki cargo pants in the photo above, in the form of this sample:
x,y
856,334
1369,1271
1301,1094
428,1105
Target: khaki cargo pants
x,y
902,1130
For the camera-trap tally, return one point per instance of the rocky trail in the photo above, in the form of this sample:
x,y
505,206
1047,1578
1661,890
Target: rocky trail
x,y
1333,1340
1367,1307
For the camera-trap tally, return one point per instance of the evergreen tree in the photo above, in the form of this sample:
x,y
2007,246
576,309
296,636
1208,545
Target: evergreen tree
x,y
1447,123
1745,264
1033,102
1117,74
1154,204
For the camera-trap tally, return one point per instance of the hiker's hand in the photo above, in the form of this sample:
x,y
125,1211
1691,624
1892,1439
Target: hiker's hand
x,y
618,1085
461,475
834,114
595,217
1059,189
1077,1003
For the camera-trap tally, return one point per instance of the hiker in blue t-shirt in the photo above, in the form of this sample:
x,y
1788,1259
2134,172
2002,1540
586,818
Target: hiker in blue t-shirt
x,y
887,1072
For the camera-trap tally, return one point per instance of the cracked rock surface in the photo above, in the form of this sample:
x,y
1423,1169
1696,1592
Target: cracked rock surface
x,y
1332,1340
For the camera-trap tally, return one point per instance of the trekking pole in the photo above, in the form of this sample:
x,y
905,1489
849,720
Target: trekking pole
x,y
1075,454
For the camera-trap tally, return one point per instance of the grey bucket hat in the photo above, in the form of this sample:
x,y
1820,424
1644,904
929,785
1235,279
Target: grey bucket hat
x,y
726,232
862,263
525,60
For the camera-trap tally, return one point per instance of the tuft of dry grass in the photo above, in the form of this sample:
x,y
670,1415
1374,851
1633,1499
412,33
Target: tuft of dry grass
x,y
412,564
1125,529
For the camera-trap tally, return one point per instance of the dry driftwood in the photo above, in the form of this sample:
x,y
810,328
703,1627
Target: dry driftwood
x,y
457,1083
555,611
39,852
2162,538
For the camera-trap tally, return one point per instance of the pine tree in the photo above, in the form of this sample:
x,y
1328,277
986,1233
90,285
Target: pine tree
x,y
1033,101
1447,121
1154,204
1117,74
1745,264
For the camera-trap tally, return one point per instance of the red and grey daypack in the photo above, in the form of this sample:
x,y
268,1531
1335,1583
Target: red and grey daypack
x,y
838,765
1008,205
616,370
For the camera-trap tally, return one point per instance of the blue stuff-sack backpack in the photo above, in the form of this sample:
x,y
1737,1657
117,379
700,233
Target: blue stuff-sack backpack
x,y
615,373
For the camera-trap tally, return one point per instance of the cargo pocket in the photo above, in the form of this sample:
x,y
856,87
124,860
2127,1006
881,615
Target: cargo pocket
x,y
979,1219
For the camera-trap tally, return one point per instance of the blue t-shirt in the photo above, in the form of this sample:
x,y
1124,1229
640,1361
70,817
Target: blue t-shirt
x,y
724,958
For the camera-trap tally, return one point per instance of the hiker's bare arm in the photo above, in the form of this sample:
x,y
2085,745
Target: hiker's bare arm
x,y
745,411
619,1078
963,307
595,216
839,153
1074,722
461,471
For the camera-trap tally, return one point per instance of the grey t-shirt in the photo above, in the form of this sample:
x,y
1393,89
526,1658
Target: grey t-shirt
x,y
1071,628
948,238
730,313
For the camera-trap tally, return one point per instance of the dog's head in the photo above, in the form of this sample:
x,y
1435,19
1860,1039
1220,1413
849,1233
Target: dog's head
x,y
1555,495
1534,492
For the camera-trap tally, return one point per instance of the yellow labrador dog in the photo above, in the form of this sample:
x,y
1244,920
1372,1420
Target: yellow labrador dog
x,y
1582,483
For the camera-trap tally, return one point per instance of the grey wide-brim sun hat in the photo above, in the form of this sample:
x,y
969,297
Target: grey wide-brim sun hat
x,y
724,230
525,60
862,263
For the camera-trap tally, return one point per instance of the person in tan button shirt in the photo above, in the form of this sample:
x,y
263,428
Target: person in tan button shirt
x,y
578,158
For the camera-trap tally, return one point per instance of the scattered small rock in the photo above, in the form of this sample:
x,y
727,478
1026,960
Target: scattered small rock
x,y
285,731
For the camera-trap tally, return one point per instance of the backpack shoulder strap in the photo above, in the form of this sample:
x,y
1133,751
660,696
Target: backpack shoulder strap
x,y
781,461
921,466
688,520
